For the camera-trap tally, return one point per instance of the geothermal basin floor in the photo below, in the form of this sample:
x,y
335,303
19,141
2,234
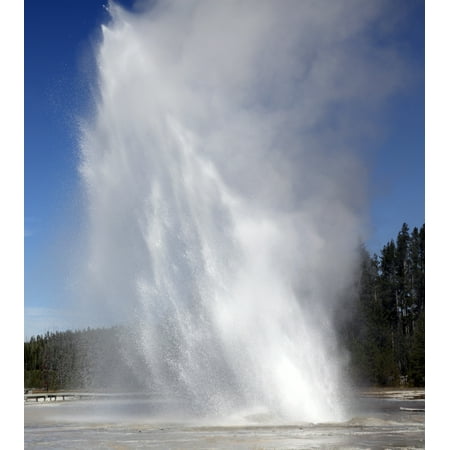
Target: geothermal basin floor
x,y
385,419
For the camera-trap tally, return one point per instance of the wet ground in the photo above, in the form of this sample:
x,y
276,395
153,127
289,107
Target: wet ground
x,y
383,419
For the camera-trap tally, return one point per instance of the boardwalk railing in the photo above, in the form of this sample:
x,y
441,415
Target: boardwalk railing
x,y
53,396
44,396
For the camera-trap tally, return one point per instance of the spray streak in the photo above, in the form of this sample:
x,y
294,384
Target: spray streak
x,y
224,204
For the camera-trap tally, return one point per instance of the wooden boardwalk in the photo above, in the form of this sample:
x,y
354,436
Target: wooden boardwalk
x,y
53,396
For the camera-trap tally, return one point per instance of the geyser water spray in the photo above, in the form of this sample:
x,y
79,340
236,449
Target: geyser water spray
x,y
224,201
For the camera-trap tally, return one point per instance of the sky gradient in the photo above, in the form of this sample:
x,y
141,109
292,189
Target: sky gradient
x,y
59,37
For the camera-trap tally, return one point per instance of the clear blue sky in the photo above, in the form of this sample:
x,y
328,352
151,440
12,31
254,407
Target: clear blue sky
x,y
58,69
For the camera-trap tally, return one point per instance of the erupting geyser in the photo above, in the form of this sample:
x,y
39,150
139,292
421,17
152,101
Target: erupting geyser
x,y
224,201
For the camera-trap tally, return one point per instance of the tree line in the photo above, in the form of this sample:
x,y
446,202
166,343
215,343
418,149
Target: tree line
x,y
384,333
83,359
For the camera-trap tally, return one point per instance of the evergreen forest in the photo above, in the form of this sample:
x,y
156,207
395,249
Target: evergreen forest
x,y
385,334
383,331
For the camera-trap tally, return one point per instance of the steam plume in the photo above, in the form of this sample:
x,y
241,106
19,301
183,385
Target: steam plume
x,y
225,195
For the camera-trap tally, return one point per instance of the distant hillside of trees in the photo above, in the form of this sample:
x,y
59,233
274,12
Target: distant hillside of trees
x,y
87,359
384,331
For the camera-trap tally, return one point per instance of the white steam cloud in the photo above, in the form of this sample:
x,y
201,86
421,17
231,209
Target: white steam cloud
x,y
225,195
